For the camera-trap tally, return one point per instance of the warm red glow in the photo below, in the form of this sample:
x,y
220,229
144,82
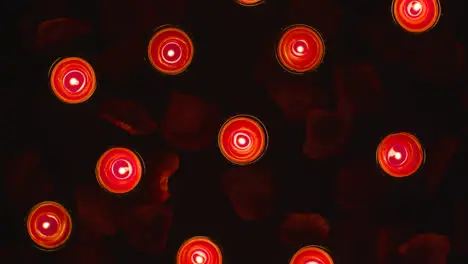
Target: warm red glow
x,y
311,255
250,2
49,225
243,139
119,170
199,250
416,15
170,50
300,49
400,154
72,80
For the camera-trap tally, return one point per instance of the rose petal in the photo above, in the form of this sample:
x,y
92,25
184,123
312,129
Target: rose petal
x,y
326,134
60,30
190,122
128,115
250,191
304,229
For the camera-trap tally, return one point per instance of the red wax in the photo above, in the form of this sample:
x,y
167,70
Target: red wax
x,y
72,80
400,154
311,255
250,2
170,50
416,16
49,225
119,170
199,250
300,49
242,139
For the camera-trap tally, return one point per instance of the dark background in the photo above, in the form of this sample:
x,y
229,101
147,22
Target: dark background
x,y
422,90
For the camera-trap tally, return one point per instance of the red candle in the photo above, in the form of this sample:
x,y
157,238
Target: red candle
x,y
242,139
199,250
311,255
250,2
416,16
119,170
300,49
400,154
72,80
170,50
49,225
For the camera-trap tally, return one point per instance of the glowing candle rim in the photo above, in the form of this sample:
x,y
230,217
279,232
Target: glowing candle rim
x,y
250,3
282,44
134,180
87,70
397,16
196,239
311,248
65,232
189,48
414,140
258,125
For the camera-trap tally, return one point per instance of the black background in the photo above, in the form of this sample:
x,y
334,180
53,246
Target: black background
x,y
229,41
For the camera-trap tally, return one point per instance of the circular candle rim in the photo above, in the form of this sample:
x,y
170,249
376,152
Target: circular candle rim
x,y
196,239
257,123
171,42
320,41
67,219
252,4
438,11
89,70
314,248
140,169
244,136
158,31
83,85
415,139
